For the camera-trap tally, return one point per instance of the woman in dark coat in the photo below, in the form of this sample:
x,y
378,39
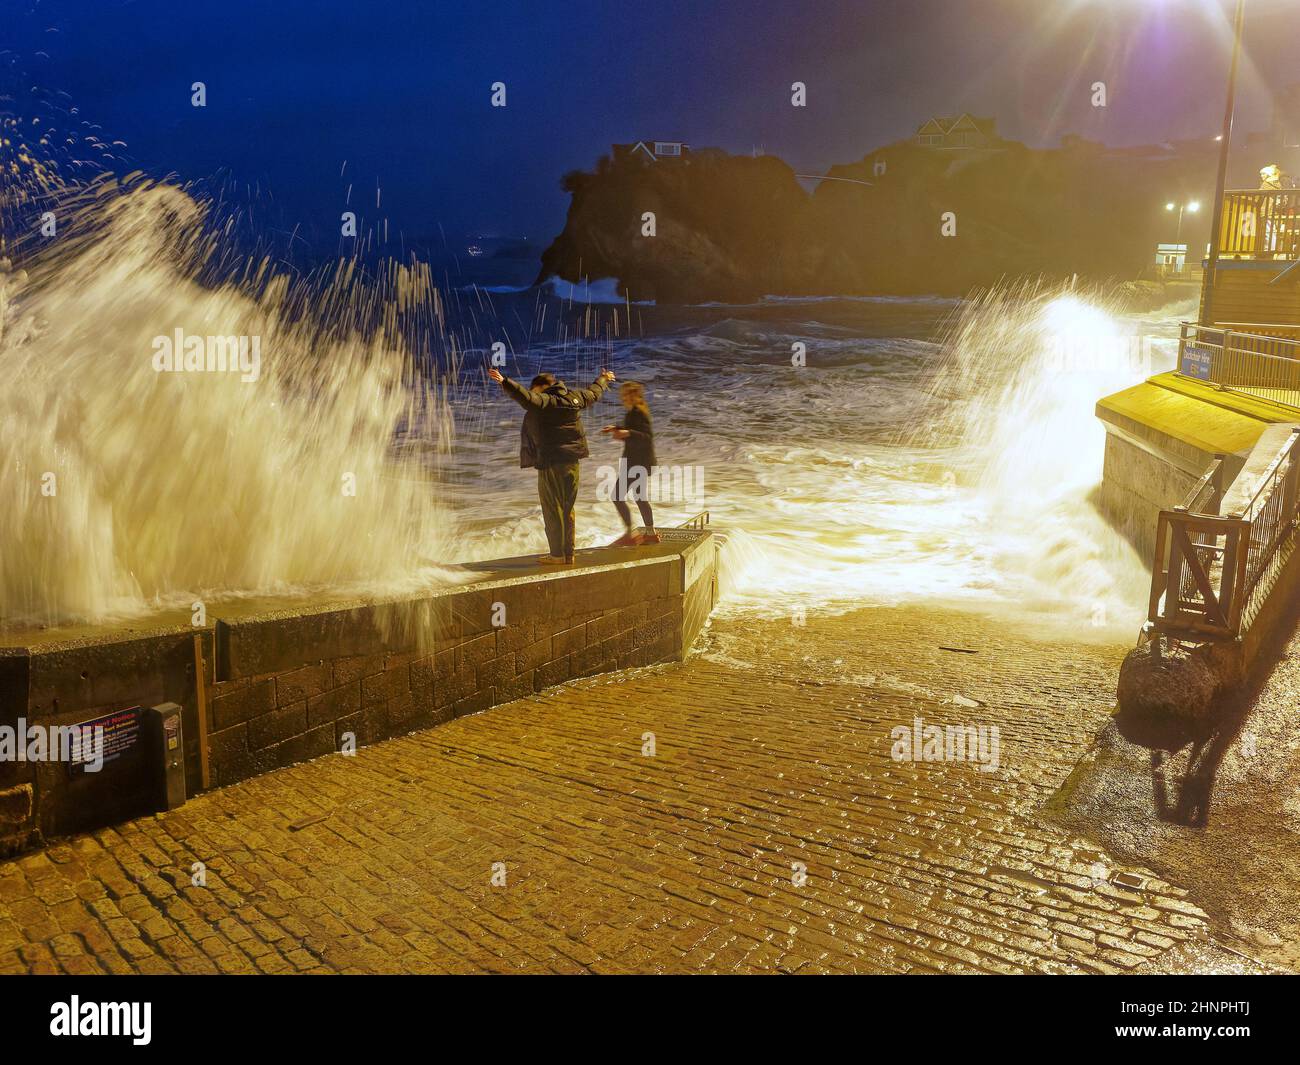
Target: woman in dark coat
x,y
638,436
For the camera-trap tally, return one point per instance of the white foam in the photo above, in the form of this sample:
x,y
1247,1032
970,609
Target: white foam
x,y
171,487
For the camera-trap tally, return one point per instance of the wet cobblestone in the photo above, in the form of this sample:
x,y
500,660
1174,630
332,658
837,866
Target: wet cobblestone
x,y
770,831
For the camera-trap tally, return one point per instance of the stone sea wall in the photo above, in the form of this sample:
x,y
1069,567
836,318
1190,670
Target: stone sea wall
x,y
290,684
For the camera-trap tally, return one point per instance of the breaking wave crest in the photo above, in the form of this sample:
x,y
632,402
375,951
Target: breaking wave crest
x,y
128,488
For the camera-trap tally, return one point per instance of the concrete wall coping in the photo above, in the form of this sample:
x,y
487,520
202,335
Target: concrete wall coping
x,y
1192,413
480,576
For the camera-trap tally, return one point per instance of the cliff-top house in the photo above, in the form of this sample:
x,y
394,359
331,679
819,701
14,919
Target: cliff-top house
x,y
965,131
651,151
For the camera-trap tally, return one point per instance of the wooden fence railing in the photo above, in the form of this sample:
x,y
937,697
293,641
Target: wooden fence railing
x,y
1207,579
1261,224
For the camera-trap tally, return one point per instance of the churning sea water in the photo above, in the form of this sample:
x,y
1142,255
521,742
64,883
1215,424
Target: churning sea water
x,y
925,449
854,451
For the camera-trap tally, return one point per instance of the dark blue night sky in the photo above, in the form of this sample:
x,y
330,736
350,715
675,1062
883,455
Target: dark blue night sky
x,y
400,89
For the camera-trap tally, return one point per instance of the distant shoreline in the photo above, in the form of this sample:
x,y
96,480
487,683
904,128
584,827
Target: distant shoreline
x,y
1136,296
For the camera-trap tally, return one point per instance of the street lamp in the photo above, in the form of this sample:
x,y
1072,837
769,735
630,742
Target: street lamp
x,y
1193,206
1225,140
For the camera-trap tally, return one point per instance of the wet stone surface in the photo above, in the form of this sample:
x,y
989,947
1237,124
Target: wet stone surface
x,y
1215,809
769,830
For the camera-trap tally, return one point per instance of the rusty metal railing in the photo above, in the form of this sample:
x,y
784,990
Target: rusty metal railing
x,y
1207,578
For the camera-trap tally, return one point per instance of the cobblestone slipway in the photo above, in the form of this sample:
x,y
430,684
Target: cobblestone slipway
x,y
769,830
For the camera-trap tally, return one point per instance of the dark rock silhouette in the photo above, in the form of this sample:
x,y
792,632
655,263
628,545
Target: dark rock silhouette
x,y
738,227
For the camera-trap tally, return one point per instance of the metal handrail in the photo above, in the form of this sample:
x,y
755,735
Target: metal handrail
x,y
1286,334
1208,489
699,521
1252,363
1267,330
1208,574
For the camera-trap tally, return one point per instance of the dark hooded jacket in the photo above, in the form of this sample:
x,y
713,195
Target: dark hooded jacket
x,y
552,432
639,447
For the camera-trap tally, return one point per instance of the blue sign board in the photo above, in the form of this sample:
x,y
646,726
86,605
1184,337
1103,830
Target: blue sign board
x,y
1196,362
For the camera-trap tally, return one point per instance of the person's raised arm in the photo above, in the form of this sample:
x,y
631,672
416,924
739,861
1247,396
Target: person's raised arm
x,y
590,395
523,396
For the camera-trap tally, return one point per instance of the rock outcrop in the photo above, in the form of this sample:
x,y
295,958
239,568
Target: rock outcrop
x,y
734,228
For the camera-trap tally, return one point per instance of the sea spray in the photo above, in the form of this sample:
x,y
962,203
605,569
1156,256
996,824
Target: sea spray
x,y
1021,369
958,469
127,489
172,485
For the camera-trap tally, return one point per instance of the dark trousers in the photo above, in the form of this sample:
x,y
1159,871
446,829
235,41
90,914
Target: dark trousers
x,y
625,512
637,491
557,489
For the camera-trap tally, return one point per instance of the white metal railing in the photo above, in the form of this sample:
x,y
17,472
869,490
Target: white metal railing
x,y
1259,360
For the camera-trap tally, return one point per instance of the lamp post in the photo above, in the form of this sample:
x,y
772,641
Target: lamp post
x,y
1216,225
1193,206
